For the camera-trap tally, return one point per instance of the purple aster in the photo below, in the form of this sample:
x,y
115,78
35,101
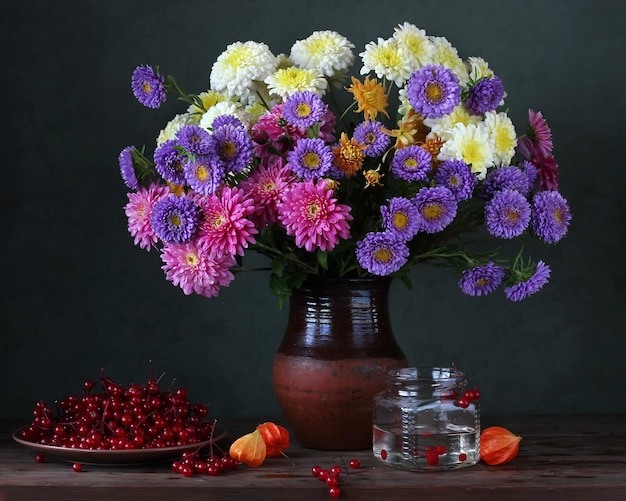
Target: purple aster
x,y
401,217
550,216
485,96
303,109
529,286
433,91
127,168
505,178
233,146
226,120
507,214
204,174
310,158
169,162
175,219
481,280
148,87
382,253
436,207
369,134
411,163
531,172
194,139
457,177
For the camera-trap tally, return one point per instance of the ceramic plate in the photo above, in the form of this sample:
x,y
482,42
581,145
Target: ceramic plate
x,y
121,457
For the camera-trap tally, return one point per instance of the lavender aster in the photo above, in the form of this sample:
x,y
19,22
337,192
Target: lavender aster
x,y
509,178
175,219
303,109
204,174
382,253
310,158
433,91
485,96
436,207
169,162
227,119
529,286
457,176
233,146
148,87
401,217
127,168
411,163
550,216
481,280
194,139
507,214
369,134
531,172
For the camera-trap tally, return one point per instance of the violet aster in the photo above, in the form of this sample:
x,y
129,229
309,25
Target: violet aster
x,y
530,285
507,214
194,139
169,162
204,174
310,158
175,219
436,208
510,177
486,95
481,280
127,168
148,86
382,253
400,216
433,91
226,120
550,216
233,146
411,163
457,176
371,135
303,109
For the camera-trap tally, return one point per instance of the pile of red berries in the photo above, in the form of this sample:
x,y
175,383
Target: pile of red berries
x,y
115,417
193,462
335,475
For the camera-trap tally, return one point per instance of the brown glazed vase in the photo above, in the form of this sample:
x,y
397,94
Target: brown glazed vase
x,y
336,351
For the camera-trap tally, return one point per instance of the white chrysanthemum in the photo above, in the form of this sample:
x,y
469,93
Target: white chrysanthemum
x,y
325,51
447,55
415,44
208,98
478,68
404,106
173,126
472,144
502,133
240,66
223,108
385,58
283,61
286,81
442,126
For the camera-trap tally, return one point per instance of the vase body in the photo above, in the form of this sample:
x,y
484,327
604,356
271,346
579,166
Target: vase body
x,y
337,349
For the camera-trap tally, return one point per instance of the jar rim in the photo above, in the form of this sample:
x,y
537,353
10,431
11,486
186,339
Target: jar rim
x,y
424,373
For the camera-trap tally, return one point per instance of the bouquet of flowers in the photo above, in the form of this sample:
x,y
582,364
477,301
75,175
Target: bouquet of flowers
x,y
331,174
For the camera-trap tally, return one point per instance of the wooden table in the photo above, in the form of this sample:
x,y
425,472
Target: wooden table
x,y
561,457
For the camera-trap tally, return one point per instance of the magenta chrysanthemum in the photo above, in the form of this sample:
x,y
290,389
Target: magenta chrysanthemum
x,y
195,269
311,214
225,226
139,209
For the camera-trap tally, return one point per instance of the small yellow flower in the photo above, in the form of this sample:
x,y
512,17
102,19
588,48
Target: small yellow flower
x,y
370,97
433,146
373,177
348,155
411,129
176,189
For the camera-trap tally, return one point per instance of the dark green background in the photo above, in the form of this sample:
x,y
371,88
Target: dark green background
x,y
78,296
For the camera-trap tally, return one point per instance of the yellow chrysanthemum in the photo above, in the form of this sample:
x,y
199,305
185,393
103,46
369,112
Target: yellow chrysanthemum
x,y
370,96
286,81
503,135
472,144
415,44
443,125
386,60
208,99
447,55
348,155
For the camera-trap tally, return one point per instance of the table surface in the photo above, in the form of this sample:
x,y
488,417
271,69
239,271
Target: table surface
x,y
560,457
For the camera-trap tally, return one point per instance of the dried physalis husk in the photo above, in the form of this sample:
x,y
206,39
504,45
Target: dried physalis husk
x,y
249,449
498,445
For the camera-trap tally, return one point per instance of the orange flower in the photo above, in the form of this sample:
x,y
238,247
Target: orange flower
x,y
373,177
276,438
348,155
370,96
411,130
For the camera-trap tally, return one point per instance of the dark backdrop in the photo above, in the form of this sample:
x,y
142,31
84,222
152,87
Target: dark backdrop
x,y
78,296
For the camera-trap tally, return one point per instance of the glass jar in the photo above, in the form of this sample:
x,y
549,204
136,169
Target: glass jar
x,y
427,419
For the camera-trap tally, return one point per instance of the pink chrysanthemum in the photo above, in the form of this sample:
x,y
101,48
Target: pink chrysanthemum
x,y
311,214
139,209
266,185
269,134
538,140
225,227
194,268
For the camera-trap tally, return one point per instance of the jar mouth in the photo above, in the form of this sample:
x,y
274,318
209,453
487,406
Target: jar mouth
x,y
423,374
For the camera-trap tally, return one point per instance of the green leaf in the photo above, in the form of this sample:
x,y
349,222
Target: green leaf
x,y
322,258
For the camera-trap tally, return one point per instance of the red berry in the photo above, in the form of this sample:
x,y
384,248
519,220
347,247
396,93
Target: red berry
x,y
324,474
77,467
462,456
463,403
334,492
355,463
441,450
316,470
335,471
40,458
332,481
383,454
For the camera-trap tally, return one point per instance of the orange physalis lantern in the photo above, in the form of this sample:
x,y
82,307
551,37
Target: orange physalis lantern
x,y
498,445
276,438
249,449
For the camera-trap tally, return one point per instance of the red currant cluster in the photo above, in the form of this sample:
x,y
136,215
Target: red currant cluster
x,y
335,475
468,396
193,462
118,417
